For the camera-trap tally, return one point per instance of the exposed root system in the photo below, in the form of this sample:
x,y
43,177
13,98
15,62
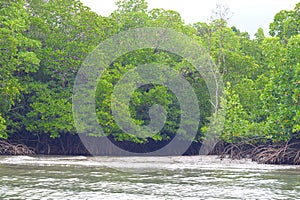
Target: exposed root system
x,y
7,148
287,153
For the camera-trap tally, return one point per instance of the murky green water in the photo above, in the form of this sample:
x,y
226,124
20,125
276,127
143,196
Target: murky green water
x,y
201,177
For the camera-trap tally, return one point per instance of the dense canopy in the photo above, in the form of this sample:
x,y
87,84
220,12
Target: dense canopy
x,y
43,44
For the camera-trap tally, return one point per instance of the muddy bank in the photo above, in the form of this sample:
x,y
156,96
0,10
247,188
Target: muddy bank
x,y
69,144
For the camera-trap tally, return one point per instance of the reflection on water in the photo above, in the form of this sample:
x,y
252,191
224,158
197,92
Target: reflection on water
x,y
200,177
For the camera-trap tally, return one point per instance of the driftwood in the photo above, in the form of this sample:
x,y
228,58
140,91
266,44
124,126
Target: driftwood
x,y
7,148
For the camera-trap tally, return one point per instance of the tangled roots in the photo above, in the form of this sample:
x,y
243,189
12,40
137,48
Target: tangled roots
x,y
7,148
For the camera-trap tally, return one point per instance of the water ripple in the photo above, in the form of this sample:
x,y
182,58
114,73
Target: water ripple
x,y
199,177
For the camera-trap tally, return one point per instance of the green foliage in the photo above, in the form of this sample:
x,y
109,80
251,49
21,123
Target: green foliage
x,y
286,24
51,112
296,99
236,119
279,98
259,35
17,60
43,44
263,102
3,133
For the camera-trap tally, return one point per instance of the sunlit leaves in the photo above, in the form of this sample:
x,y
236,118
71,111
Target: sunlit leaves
x,y
3,134
286,24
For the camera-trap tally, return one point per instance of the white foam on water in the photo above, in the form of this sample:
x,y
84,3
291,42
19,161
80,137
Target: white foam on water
x,y
166,163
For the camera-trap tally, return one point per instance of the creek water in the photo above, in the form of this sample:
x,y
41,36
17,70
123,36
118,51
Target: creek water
x,y
197,177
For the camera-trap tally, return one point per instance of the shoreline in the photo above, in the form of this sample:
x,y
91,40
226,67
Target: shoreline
x,y
279,154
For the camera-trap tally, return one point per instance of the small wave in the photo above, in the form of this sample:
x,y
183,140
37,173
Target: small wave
x,y
18,158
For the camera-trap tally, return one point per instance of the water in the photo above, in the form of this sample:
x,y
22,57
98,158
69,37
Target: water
x,y
200,177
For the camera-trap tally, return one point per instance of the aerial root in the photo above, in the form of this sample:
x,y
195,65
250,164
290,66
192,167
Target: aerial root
x,y
287,153
7,148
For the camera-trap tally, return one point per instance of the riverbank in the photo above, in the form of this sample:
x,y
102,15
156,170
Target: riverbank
x,y
267,153
71,144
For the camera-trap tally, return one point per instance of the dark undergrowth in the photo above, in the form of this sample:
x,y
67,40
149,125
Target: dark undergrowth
x,y
68,144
